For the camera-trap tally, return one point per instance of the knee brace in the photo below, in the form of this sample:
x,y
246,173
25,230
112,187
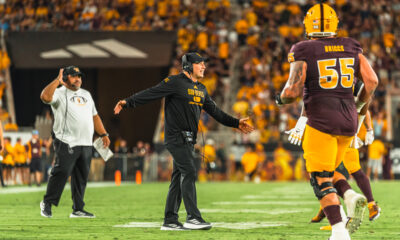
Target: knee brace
x,y
318,188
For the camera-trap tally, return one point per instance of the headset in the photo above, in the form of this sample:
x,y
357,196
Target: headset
x,y
65,77
186,65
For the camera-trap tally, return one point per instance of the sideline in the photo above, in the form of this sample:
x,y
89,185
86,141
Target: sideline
x,y
26,189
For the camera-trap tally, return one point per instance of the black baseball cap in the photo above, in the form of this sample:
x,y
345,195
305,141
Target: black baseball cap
x,y
195,57
73,71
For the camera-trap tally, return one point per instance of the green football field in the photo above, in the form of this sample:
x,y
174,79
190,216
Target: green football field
x,y
237,210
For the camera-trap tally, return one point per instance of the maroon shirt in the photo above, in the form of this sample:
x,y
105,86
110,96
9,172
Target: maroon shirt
x,y
332,65
36,145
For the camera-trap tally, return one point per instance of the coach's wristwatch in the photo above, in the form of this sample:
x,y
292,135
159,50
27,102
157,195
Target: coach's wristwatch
x,y
104,135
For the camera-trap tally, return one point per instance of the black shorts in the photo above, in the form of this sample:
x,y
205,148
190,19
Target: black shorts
x,y
7,166
238,166
36,165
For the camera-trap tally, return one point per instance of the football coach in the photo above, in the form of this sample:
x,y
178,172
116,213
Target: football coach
x,y
185,97
76,119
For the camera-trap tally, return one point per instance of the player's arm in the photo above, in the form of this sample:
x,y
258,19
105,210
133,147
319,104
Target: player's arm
x,y
369,136
295,84
368,121
368,76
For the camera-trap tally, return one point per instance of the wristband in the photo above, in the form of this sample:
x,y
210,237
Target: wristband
x,y
104,135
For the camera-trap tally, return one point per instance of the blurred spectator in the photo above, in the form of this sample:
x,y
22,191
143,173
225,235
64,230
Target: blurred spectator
x,y
236,152
122,157
21,175
222,162
35,158
10,126
210,159
8,162
387,172
139,152
282,160
376,152
380,125
251,163
48,158
4,116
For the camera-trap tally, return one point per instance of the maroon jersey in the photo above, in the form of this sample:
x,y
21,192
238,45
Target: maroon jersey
x,y
332,65
35,146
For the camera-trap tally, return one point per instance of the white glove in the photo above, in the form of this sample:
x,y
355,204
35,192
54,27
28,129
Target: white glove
x,y
296,133
356,143
369,137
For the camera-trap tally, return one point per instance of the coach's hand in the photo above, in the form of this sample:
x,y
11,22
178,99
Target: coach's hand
x,y
106,141
244,127
119,106
60,76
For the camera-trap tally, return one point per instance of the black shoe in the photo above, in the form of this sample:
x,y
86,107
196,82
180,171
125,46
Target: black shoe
x,y
45,209
81,214
197,224
176,226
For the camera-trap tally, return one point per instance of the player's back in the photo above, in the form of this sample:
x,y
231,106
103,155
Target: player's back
x,y
332,64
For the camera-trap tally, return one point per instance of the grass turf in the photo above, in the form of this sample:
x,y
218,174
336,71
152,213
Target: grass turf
x,y
20,215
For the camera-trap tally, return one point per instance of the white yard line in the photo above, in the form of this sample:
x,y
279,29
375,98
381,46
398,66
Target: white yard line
x,y
287,197
270,212
236,225
16,190
294,203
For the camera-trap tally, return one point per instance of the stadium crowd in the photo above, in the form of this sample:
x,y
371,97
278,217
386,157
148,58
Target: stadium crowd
x,y
264,34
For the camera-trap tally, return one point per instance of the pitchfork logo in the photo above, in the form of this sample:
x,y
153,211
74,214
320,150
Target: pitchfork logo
x,y
96,49
78,100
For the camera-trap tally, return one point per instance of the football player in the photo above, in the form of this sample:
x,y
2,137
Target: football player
x,y
351,160
351,163
325,67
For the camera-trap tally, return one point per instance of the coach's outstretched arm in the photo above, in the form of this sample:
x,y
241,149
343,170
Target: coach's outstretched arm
x,y
211,108
159,91
48,92
295,84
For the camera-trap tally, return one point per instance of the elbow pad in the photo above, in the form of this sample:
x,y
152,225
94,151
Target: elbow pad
x,y
359,105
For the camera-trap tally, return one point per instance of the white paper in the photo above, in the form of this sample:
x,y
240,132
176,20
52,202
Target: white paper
x,y
105,153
